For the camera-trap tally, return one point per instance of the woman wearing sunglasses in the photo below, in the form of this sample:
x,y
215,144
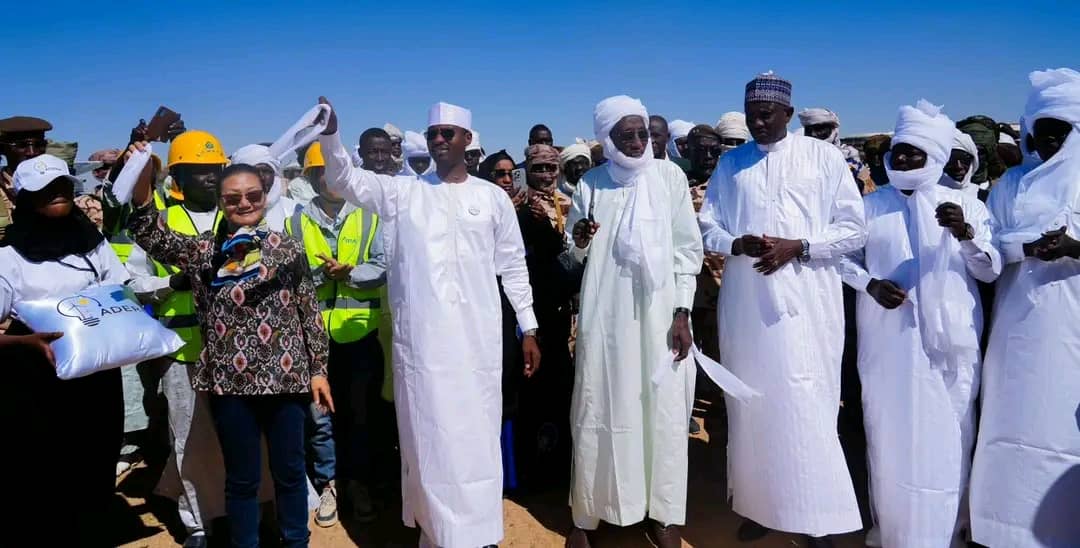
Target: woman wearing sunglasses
x,y
265,345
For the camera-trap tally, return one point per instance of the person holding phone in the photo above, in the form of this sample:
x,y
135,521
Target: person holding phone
x,y
265,351
74,427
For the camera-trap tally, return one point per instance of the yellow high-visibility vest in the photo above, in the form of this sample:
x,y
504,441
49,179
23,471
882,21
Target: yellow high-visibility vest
x,y
177,312
349,314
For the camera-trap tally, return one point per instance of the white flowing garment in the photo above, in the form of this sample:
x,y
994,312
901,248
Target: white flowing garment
x,y
783,334
919,416
445,245
630,436
1025,481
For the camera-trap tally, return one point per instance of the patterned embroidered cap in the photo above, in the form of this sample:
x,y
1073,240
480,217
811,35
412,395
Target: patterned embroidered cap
x,y
770,88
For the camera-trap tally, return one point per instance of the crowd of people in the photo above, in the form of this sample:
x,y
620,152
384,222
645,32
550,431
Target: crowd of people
x,y
415,321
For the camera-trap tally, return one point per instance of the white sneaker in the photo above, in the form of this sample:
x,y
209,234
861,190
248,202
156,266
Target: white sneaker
x,y
326,515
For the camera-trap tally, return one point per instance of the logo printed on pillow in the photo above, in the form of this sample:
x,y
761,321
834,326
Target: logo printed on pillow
x,y
90,311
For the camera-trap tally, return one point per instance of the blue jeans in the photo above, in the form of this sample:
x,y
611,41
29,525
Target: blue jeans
x,y
241,422
321,452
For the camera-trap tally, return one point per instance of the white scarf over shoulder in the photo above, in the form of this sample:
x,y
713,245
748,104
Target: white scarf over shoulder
x,y
640,260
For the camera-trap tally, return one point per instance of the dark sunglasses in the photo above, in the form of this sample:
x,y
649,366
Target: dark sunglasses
x,y
628,136
500,173
446,132
543,168
234,200
103,167
28,143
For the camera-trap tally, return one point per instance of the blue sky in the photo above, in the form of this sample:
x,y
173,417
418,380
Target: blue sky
x,y
246,70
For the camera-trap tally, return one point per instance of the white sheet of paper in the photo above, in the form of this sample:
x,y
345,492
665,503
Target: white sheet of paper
x,y
124,186
723,378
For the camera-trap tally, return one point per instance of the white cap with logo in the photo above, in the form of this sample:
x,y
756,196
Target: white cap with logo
x,y
36,173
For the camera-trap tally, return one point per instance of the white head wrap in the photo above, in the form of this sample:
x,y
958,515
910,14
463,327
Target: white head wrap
x,y
1048,193
254,155
393,131
732,125
1006,139
677,129
815,116
962,141
948,333
414,146
445,114
632,254
475,144
576,150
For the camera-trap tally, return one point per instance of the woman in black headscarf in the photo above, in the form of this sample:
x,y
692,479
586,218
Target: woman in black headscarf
x,y
72,428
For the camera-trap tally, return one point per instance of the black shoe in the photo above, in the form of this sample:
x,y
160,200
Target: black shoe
x,y
661,536
751,530
819,542
578,538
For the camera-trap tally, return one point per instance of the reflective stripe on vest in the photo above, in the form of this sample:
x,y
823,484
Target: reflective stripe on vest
x,y
349,314
177,312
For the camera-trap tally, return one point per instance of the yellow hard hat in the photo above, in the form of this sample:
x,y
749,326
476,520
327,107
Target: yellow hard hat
x,y
196,147
313,156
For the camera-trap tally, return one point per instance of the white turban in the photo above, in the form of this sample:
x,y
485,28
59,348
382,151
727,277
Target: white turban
x,y
414,146
815,116
393,131
924,126
1048,193
1006,139
962,141
475,144
732,125
576,150
633,255
254,155
677,129
948,336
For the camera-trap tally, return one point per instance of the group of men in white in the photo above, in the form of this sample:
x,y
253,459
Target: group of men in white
x,y
786,214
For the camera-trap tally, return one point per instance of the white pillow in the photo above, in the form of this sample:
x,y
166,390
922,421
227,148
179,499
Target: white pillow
x,y
104,327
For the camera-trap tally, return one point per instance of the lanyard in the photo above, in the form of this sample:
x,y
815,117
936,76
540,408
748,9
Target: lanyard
x,y
88,268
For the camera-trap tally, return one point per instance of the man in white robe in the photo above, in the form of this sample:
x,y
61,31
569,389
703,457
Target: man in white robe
x,y
919,318
783,209
633,220
678,130
1025,481
452,235
962,165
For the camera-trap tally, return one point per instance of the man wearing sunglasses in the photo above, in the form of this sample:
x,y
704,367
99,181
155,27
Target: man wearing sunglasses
x,y
449,236
634,223
21,138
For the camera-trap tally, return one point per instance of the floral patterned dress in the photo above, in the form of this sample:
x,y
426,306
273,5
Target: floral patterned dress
x,y
263,335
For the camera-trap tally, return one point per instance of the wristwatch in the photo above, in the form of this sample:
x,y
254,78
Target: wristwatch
x,y
529,332
683,310
805,255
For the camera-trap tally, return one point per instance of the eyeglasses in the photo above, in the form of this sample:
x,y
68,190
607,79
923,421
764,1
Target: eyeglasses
x,y
543,168
446,132
500,173
28,144
234,200
628,136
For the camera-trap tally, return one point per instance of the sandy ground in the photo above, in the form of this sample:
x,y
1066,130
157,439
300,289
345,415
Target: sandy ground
x,y
538,520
